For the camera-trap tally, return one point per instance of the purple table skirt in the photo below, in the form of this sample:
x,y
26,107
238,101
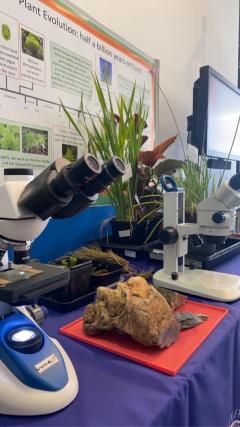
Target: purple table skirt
x,y
116,392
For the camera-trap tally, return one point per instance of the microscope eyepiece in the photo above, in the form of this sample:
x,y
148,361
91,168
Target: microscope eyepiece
x,y
54,188
115,166
111,170
87,166
235,182
74,176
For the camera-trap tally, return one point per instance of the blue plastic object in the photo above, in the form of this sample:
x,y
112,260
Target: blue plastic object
x,y
43,369
168,183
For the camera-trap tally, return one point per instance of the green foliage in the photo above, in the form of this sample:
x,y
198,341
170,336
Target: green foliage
x,y
198,183
32,44
116,133
69,155
69,262
6,33
167,167
34,141
9,137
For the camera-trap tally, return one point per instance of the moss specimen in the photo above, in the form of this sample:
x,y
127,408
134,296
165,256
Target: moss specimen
x,y
32,44
6,33
9,137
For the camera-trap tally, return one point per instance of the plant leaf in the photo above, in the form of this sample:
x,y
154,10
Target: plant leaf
x,y
168,166
149,158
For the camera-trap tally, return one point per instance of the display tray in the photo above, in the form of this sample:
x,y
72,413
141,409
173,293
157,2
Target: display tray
x,y
230,249
206,262
128,251
25,284
63,301
169,360
110,275
65,305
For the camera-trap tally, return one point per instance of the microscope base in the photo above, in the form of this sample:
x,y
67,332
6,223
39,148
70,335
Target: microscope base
x,y
204,283
36,374
19,399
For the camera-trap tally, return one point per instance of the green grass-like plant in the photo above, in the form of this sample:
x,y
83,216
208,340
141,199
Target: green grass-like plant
x,y
116,132
198,183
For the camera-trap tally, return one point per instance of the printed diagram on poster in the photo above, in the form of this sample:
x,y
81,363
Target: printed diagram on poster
x,y
49,54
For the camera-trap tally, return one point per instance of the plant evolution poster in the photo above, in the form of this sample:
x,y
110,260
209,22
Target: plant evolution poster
x,y
48,55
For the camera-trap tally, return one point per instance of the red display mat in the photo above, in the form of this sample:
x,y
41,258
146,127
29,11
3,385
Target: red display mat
x,y
169,360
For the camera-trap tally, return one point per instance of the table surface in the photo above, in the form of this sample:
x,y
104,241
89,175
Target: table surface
x,y
114,391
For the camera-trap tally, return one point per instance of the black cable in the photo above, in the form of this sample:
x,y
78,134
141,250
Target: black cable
x,y
229,154
153,73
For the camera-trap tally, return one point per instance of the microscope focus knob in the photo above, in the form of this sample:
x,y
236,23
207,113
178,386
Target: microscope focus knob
x,y
37,313
219,217
168,235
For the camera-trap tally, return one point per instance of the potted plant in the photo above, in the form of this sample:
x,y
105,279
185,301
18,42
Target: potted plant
x,y
149,193
119,131
199,183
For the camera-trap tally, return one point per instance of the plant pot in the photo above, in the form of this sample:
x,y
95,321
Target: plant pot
x,y
125,232
105,273
121,231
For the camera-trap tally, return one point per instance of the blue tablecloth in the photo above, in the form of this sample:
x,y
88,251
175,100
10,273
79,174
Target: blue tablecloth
x,y
117,392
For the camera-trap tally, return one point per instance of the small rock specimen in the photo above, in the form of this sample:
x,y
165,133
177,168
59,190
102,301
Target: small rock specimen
x,y
190,320
134,308
174,299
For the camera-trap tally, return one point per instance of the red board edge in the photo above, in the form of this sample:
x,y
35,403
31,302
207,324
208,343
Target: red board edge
x,y
172,372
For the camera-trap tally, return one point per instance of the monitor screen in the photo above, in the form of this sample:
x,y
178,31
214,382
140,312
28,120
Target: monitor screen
x,y
216,110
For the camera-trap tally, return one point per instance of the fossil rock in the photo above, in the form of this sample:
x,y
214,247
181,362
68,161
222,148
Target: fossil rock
x,y
134,308
190,320
174,299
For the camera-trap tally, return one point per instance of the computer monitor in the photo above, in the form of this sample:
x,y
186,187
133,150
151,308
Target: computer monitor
x,y
216,110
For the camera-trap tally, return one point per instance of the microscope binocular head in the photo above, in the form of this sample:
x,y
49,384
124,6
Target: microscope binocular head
x,y
63,189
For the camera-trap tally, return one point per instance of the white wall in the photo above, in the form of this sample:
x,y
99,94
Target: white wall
x,y
184,35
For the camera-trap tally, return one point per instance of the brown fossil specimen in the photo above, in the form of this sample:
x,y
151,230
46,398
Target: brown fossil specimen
x,y
134,308
174,299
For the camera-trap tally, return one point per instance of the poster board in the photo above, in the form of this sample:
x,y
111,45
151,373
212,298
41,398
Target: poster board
x,y
49,51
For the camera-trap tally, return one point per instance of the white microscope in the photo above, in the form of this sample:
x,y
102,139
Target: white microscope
x,y
36,375
215,220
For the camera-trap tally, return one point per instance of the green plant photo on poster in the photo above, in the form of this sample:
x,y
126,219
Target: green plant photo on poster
x,y
69,152
34,141
6,32
32,44
9,137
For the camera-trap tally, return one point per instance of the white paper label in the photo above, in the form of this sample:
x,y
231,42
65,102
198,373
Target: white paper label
x,y
130,254
156,254
46,363
128,173
124,233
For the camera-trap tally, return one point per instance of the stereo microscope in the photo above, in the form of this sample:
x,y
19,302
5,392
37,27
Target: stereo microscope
x,y
216,217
